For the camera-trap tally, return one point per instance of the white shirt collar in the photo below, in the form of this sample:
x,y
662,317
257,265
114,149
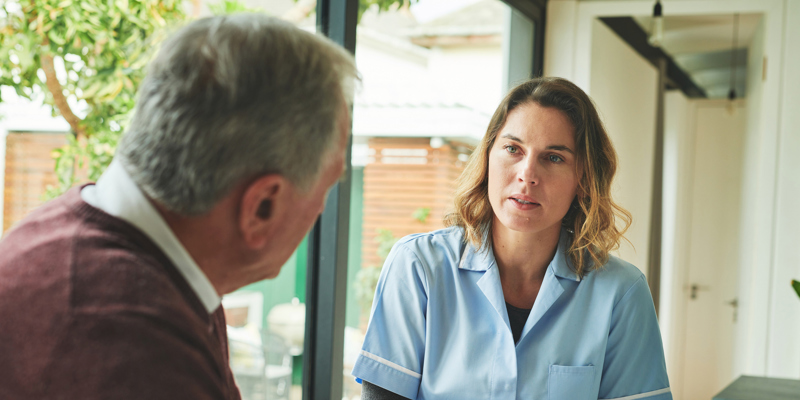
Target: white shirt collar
x,y
118,195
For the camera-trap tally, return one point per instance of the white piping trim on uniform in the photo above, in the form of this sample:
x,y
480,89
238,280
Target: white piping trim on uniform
x,y
643,395
391,364
461,261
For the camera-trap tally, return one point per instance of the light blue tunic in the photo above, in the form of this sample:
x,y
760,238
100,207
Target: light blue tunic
x,y
439,329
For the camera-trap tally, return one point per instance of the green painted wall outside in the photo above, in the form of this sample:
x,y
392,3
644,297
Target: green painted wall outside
x,y
291,282
279,290
300,273
354,244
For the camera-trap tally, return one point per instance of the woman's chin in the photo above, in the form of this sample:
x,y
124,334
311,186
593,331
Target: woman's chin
x,y
528,224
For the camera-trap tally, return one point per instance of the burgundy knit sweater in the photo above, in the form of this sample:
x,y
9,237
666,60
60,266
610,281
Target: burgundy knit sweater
x,y
91,308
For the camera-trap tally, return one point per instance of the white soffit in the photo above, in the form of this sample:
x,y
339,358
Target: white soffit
x,y
448,121
24,116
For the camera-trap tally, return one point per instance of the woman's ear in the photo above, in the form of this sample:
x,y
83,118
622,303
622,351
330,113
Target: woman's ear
x,y
257,209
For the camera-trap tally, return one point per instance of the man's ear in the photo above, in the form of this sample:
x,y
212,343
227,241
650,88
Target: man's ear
x,y
264,209
257,211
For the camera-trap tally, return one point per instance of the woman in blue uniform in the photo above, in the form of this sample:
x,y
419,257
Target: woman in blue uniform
x,y
519,298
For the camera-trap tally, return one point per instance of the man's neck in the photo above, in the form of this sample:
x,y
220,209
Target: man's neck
x,y
204,240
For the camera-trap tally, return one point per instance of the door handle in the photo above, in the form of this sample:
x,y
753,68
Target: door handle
x,y
694,288
735,304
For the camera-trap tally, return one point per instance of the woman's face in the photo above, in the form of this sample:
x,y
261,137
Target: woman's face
x,y
532,170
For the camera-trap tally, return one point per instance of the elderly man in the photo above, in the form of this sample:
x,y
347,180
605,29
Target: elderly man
x,y
112,291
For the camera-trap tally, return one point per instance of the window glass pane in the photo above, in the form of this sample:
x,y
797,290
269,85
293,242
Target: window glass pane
x,y
432,76
266,320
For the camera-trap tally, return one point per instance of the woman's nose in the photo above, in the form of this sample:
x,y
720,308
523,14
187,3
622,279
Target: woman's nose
x,y
529,172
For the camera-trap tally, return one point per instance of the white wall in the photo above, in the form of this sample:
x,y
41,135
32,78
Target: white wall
x,y
624,90
783,352
559,39
768,339
679,121
752,330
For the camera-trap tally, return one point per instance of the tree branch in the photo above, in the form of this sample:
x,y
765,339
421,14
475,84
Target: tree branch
x,y
197,6
58,95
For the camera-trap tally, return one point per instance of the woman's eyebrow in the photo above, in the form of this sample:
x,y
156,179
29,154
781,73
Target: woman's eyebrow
x,y
558,147
511,137
561,148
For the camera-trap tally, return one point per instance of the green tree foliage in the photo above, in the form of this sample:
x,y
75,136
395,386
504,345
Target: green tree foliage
x,y
382,5
421,214
86,58
92,52
367,278
231,7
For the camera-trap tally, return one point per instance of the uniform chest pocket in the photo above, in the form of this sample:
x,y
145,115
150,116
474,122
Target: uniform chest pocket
x,y
571,383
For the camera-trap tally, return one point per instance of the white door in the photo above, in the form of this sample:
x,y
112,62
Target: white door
x,y
713,232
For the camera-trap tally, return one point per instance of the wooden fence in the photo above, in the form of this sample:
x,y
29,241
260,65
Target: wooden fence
x,y
28,172
402,176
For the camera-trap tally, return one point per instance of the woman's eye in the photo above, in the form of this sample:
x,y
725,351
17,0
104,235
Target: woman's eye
x,y
511,149
554,158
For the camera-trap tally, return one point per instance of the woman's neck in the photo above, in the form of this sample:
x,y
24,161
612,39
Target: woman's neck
x,y
522,259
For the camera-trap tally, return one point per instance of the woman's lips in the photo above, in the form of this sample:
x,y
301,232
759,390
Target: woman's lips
x,y
523,202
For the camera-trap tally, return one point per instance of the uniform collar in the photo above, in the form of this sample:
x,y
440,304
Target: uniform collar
x,y
473,259
561,265
118,195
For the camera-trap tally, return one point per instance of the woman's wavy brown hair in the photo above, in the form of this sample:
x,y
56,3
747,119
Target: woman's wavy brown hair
x,y
592,219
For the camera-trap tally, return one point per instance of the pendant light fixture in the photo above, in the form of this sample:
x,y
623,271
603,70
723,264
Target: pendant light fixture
x,y
657,27
732,92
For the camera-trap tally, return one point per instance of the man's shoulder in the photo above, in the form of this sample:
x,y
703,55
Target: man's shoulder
x,y
79,291
35,251
71,255
49,223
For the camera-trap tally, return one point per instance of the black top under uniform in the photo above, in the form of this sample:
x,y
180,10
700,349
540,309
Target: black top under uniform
x,y
516,317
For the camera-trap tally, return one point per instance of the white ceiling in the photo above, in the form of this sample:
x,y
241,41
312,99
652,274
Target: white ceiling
x,y
701,45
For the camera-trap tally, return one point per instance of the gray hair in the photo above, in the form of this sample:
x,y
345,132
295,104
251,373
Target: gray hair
x,y
231,98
